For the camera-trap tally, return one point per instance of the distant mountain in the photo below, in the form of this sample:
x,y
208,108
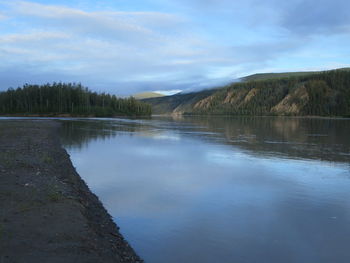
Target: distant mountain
x,y
178,103
270,76
147,95
296,93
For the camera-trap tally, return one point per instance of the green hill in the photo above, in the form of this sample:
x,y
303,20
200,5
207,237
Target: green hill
x,y
298,94
147,95
269,76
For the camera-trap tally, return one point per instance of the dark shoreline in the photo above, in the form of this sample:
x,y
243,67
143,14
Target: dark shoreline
x,y
48,213
53,115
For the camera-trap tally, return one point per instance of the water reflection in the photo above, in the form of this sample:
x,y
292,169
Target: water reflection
x,y
325,139
219,190
301,138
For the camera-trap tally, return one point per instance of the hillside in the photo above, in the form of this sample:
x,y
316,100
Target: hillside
x,y
318,94
147,95
178,103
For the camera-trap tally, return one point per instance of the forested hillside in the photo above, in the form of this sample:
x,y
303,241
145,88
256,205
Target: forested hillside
x,y
71,99
177,103
321,94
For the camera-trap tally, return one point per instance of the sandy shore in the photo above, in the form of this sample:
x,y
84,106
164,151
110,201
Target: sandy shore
x,y
47,213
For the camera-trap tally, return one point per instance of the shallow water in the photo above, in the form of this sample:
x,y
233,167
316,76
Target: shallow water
x,y
221,189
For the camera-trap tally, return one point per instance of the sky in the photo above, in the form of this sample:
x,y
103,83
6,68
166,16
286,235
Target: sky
x,y
125,47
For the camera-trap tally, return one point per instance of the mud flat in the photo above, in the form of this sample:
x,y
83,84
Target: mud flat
x,y
47,213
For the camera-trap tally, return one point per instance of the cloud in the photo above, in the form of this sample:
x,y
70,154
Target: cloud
x,y
321,17
107,24
200,44
38,36
113,43
296,16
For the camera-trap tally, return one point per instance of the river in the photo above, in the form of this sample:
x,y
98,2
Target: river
x,y
219,189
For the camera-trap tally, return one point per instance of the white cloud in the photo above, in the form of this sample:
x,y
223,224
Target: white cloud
x,y
37,36
108,22
168,92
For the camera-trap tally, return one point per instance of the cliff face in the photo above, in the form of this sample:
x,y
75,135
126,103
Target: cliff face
x,y
293,103
324,94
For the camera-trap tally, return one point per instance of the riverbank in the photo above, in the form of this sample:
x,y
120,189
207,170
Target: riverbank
x,y
47,213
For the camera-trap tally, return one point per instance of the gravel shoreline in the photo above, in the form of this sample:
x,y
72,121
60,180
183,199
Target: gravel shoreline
x,y
48,214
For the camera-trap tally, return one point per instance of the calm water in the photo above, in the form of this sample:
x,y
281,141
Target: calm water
x,y
221,189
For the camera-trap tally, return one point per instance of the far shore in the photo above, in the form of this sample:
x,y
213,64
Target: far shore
x,y
169,115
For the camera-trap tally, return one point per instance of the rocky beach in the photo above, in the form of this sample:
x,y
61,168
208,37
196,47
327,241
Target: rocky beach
x,y
48,213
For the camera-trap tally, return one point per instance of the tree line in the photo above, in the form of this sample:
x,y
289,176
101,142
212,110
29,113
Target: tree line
x,y
68,98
